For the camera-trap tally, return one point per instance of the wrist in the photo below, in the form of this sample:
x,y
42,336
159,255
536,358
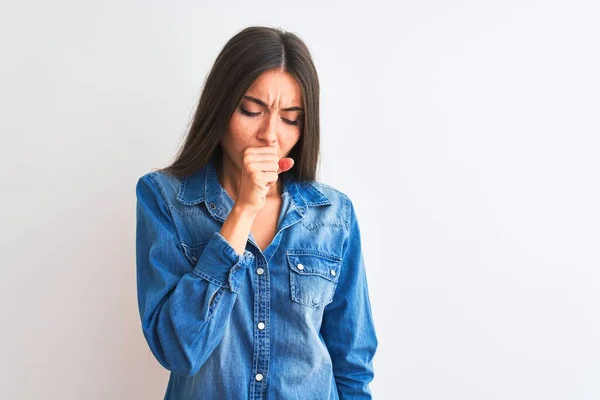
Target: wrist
x,y
244,211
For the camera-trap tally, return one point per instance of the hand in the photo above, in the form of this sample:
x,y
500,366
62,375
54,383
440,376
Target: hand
x,y
261,167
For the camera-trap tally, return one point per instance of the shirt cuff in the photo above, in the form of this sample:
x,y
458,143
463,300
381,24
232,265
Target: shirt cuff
x,y
221,265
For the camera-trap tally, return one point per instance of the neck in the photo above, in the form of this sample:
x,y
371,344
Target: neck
x,y
229,176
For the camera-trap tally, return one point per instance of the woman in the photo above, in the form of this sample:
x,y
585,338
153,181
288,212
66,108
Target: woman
x,y
251,280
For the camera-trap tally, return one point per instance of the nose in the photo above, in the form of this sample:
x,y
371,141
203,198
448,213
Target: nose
x,y
269,131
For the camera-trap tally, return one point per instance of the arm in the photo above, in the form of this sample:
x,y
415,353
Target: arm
x,y
347,328
183,312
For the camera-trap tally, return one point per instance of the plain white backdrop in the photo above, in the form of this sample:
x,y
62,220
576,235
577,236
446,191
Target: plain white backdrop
x,y
466,133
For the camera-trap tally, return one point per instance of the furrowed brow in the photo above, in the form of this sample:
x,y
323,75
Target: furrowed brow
x,y
262,103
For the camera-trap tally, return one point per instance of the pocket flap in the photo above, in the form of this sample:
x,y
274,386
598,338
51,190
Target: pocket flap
x,y
313,262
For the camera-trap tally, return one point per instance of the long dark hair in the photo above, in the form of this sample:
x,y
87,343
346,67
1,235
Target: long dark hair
x,y
249,53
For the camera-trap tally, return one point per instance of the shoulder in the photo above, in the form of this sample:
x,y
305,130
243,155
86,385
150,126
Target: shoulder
x,y
340,200
158,182
333,193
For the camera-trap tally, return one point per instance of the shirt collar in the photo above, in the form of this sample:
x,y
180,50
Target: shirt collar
x,y
204,186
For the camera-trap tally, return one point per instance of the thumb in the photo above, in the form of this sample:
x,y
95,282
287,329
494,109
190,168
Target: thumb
x,y
285,164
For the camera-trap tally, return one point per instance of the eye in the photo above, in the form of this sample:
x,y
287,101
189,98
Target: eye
x,y
248,113
287,121
254,114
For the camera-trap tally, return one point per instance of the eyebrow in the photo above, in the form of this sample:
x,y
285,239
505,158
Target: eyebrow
x,y
262,103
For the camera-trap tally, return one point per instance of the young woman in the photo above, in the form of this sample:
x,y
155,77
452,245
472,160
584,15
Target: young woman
x,y
250,276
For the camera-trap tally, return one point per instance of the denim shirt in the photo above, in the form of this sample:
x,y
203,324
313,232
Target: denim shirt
x,y
292,321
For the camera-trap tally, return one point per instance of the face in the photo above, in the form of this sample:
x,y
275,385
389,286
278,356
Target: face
x,y
269,114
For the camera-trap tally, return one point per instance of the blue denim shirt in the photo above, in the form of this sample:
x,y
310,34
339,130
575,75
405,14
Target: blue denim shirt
x,y
291,322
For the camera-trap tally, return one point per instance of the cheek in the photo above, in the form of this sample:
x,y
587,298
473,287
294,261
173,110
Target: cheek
x,y
288,139
240,129
243,127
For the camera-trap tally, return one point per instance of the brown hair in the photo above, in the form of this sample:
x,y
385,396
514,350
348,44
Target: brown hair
x,y
249,53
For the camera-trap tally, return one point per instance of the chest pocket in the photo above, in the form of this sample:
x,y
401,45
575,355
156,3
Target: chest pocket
x,y
313,276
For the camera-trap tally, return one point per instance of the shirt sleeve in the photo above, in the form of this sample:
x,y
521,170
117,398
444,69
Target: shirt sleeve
x,y
183,310
348,329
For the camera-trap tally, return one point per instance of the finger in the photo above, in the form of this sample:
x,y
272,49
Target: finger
x,y
266,166
260,150
271,178
285,163
252,158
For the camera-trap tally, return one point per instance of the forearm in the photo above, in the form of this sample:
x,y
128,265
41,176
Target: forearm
x,y
236,227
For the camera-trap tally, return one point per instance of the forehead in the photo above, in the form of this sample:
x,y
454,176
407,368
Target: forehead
x,y
277,86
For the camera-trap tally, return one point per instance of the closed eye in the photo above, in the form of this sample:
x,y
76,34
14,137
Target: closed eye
x,y
287,121
248,113
254,114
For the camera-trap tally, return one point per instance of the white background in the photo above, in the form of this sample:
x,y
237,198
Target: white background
x,y
466,133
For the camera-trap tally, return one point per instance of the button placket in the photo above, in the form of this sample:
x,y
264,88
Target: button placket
x,y
261,325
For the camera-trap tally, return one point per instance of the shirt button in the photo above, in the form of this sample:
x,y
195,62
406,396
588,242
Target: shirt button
x,y
259,377
261,325
260,271
332,272
212,206
300,266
